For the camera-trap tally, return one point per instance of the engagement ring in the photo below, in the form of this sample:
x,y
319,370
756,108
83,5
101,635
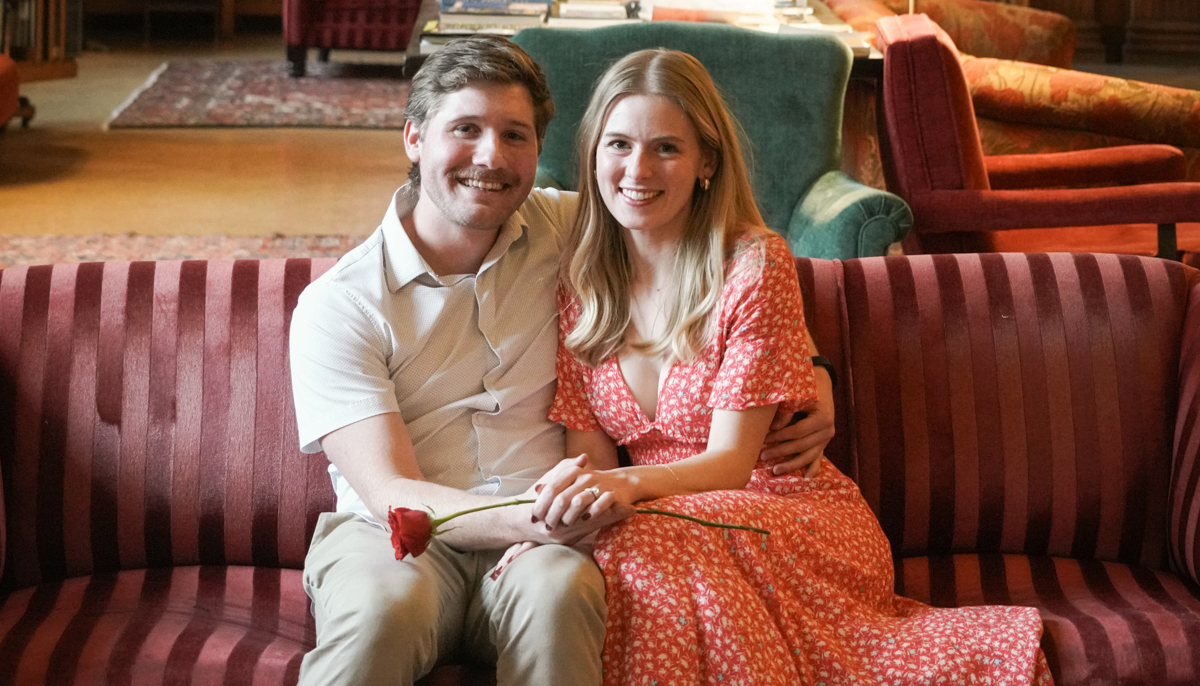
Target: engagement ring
x,y
595,491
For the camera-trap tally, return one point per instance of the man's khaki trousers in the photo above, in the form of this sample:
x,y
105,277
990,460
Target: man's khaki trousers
x,y
385,621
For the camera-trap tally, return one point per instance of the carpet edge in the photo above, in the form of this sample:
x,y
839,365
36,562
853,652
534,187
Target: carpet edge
x,y
134,95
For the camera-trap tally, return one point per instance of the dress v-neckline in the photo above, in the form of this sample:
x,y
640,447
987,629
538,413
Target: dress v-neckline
x,y
662,383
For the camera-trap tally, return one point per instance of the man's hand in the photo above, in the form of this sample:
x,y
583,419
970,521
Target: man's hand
x,y
807,438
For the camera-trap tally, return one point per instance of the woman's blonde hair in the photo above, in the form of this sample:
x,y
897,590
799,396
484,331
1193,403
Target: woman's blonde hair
x,y
596,263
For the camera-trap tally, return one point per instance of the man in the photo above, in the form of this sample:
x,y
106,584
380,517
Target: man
x,y
423,365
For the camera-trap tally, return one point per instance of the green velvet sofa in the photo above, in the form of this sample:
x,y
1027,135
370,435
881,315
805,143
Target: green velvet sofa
x,y
787,92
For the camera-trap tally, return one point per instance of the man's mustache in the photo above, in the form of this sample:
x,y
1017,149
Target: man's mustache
x,y
485,176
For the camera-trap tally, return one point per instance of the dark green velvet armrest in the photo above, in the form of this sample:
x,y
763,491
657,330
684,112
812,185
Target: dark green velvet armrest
x,y
545,180
840,218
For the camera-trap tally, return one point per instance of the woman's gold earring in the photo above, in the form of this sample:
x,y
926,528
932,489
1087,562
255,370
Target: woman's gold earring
x,y
705,183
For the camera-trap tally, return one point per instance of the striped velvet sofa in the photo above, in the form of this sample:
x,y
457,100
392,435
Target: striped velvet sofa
x,y
1024,425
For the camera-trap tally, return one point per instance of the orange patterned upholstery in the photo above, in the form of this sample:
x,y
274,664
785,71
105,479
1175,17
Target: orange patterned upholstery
x,y
986,29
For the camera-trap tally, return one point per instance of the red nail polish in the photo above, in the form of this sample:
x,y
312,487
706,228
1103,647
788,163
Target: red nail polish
x,y
533,519
586,516
537,488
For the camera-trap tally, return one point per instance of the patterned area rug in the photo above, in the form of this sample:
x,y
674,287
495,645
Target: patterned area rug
x,y
240,93
32,250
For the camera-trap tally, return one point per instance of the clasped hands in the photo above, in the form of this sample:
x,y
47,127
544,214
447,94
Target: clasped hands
x,y
573,500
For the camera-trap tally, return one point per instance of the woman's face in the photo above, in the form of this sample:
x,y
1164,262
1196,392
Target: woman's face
x,y
647,164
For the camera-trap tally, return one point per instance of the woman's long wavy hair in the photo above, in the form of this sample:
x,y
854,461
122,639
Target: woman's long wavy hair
x,y
596,264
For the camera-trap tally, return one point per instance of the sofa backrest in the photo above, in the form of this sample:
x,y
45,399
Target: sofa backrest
x,y
146,418
931,125
1009,403
1184,530
988,403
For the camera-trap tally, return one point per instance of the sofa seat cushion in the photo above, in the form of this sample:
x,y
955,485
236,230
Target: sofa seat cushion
x,y
198,625
1105,623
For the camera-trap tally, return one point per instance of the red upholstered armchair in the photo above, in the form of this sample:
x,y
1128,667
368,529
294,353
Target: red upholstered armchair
x,y
1026,100
346,25
11,103
963,201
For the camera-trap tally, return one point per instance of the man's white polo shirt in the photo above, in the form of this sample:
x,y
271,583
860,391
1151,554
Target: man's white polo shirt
x,y
467,360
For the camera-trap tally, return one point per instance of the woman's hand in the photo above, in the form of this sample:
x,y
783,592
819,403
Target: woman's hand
x,y
514,551
573,491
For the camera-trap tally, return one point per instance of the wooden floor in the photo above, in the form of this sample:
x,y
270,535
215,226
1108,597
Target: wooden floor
x,y
67,175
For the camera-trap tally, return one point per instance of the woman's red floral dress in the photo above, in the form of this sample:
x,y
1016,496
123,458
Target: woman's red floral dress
x,y
812,603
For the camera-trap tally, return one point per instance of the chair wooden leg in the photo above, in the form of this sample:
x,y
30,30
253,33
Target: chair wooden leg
x,y
1168,248
298,56
25,111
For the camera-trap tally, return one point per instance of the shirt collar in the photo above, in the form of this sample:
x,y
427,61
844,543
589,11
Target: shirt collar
x,y
406,264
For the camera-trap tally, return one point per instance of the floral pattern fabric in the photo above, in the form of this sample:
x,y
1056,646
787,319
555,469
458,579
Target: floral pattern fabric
x,y
811,603
987,29
1066,99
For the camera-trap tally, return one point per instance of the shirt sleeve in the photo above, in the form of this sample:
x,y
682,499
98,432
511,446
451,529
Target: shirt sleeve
x,y
338,356
571,406
560,207
766,358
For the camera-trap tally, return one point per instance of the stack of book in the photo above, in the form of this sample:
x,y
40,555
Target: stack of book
x,y
737,12
464,17
590,14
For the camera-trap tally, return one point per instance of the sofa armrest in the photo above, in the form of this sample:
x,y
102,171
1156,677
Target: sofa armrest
x,y
1184,499
3,527
840,218
544,180
974,210
1117,166
1073,100
991,29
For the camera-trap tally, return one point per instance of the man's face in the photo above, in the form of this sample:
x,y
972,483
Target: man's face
x,y
478,156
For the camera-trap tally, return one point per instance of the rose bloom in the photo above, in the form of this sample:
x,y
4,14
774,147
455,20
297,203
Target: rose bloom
x,y
411,531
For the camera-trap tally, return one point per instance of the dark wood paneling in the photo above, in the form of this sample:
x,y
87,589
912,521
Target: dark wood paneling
x,y
1164,30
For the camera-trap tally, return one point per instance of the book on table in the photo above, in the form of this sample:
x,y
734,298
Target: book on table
x,y
593,9
481,16
586,22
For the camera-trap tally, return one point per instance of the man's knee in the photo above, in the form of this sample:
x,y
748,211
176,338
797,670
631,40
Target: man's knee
x,y
556,579
378,607
548,618
376,617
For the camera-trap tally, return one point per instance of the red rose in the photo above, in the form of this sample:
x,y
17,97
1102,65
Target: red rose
x,y
411,531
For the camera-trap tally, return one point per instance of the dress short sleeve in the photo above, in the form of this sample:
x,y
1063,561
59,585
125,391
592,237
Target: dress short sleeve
x,y
571,406
766,358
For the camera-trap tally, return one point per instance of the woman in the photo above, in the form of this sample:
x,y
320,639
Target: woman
x,y
681,331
